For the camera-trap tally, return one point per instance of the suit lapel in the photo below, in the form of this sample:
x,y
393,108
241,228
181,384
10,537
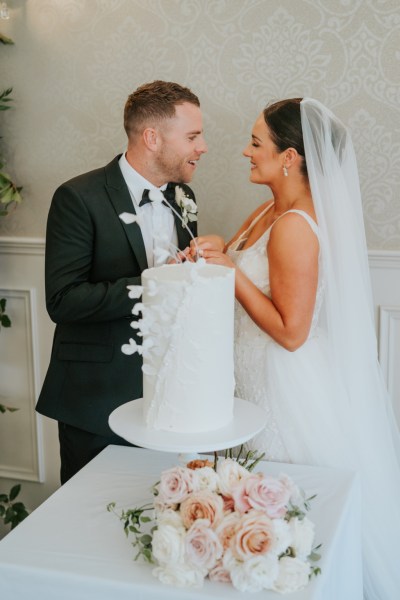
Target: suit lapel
x,y
184,236
121,199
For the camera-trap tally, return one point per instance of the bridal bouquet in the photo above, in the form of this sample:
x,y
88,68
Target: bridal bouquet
x,y
222,521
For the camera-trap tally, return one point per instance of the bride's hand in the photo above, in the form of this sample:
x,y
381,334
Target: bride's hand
x,y
207,242
213,257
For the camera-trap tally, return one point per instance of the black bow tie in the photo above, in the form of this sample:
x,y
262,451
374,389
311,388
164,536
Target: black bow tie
x,y
168,193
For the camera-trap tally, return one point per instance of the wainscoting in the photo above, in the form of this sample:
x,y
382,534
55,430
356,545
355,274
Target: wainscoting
x,y
28,442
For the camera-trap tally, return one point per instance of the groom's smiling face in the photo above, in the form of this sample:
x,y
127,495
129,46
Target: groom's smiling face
x,y
182,144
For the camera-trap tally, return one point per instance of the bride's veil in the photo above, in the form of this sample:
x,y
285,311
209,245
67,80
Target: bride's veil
x,y
347,317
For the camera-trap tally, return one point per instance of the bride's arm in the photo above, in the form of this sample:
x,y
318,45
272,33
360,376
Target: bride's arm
x,y
293,266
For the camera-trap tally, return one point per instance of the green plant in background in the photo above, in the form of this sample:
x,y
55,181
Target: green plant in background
x,y
11,512
9,192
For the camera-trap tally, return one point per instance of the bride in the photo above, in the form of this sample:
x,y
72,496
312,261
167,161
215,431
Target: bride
x,y
305,347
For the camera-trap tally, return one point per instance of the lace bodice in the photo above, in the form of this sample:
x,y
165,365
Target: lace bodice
x,y
253,261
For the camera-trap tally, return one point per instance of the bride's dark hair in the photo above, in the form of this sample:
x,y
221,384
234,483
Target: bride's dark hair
x,y
283,120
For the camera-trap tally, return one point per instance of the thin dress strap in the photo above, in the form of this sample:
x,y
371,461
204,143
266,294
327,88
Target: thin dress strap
x,y
306,216
243,236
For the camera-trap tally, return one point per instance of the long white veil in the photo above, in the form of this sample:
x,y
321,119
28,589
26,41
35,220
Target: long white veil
x,y
347,318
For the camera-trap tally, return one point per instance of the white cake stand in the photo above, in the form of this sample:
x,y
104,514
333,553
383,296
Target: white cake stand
x,y
127,422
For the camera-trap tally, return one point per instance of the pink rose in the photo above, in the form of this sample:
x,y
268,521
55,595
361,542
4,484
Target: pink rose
x,y
202,505
262,493
202,546
254,535
175,485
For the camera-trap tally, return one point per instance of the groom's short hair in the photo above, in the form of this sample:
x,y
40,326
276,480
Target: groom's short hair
x,y
153,102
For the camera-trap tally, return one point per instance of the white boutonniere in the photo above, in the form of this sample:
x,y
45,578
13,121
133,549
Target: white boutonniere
x,y
187,205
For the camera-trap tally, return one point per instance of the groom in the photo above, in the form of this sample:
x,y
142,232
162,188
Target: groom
x,y
100,237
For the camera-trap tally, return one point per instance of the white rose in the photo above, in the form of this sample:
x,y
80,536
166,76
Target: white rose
x,y
168,545
230,473
255,574
282,536
179,576
207,478
302,536
293,575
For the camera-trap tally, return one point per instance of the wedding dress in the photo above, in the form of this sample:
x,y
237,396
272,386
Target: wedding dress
x,y
326,402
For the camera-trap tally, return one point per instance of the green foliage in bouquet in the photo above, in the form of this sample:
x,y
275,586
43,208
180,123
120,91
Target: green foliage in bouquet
x,y
133,519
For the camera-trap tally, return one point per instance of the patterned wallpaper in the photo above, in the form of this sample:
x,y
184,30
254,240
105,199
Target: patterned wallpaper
x,y
74,63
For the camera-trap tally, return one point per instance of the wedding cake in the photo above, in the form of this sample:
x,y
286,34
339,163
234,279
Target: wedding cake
x,y
187,328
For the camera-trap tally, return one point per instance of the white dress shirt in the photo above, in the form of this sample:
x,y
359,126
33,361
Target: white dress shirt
x,y
156,220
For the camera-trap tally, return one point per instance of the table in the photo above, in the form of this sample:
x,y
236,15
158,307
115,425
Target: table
x,y
71,548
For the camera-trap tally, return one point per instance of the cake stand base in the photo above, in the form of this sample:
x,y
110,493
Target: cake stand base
x,y
127,422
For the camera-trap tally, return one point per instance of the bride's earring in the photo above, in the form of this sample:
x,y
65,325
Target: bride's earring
x,y
285,171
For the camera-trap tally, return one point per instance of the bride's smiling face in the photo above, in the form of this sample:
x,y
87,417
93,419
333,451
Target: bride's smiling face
x,y
266,162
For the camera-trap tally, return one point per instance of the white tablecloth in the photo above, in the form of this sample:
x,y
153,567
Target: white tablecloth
x,y
71,548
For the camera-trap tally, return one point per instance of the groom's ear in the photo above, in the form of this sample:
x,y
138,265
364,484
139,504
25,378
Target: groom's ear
x,y
151,138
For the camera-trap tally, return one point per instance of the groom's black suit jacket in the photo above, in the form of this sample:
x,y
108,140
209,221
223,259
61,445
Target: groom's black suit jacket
x,y
91,256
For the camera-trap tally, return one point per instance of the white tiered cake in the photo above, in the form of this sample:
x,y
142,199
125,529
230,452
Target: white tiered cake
x,y
187,328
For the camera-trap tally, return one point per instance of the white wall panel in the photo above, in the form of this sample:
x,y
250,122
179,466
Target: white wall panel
x,y
21,452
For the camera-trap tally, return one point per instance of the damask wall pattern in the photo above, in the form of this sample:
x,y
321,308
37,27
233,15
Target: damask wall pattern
x,y
74,63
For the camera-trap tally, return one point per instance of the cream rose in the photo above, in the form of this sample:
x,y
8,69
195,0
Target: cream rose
x,y
282,535
230,473
207,479
226,529
202,546
202,505
293,575
302,537
254,535
170,517
176,484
